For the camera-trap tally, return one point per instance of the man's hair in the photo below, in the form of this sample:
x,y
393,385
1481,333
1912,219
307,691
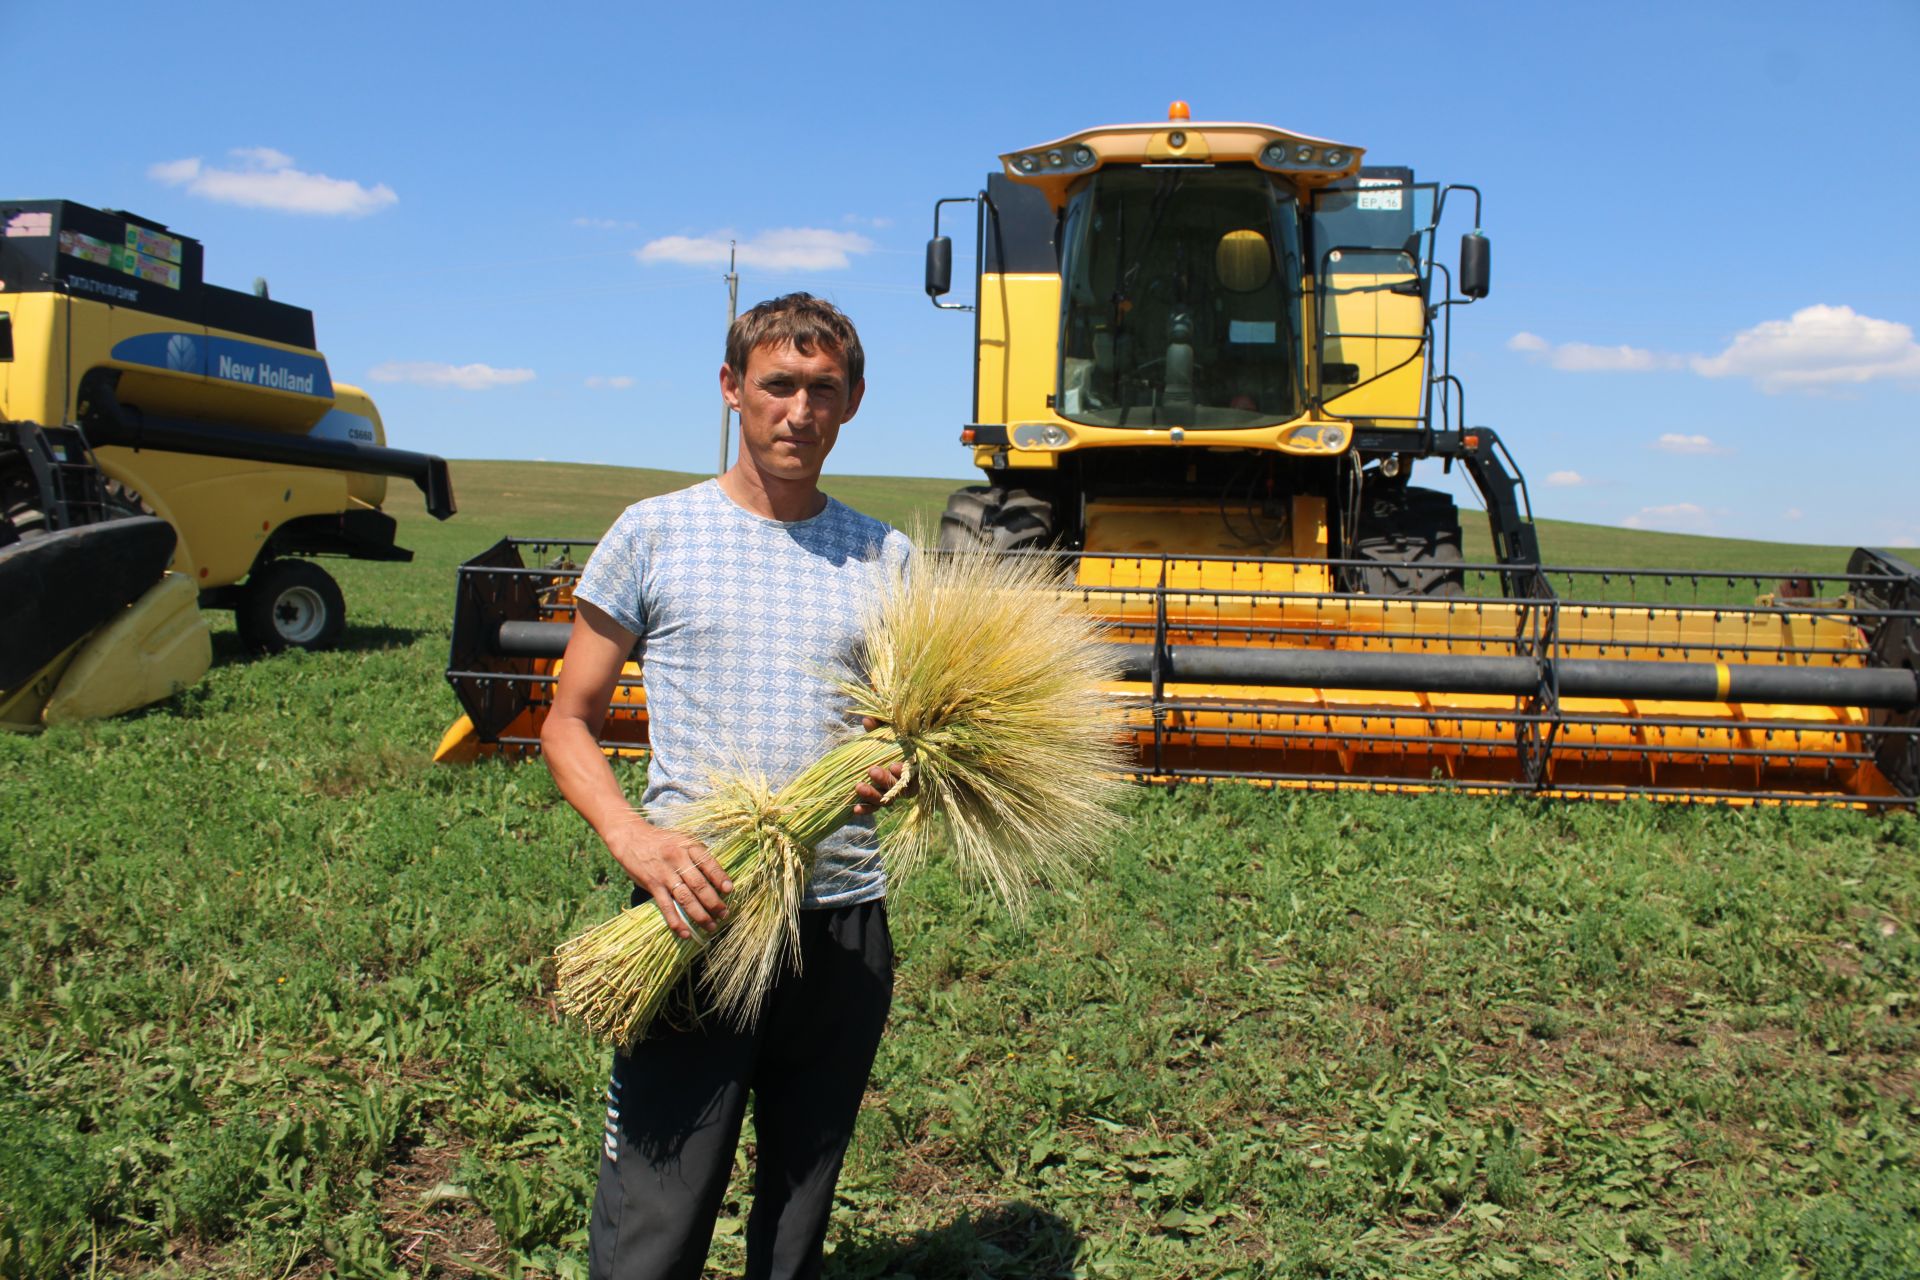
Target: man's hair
x,y
800,321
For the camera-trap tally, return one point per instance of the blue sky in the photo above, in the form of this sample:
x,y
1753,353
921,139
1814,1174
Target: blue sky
x,y
1706,269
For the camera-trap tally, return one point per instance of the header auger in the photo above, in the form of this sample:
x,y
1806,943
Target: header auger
x,y
1208,358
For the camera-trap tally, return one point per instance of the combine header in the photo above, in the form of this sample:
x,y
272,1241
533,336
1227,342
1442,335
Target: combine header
x,y
1599,683
1207,360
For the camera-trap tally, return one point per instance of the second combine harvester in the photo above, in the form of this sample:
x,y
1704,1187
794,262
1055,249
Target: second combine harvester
x,y
167,446
1208,358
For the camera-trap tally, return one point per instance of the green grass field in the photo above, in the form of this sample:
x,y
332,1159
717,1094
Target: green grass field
x,y
278,1003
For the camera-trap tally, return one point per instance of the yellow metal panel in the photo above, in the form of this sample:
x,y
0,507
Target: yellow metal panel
x,y
156,648
1019,345
192,395
371,490
223,508
20,708
32,389
1392,371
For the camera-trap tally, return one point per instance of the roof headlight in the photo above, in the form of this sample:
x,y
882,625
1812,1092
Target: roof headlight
x,y
1336,158
1083,156
1276,153
1025,164
1055,160
1303,154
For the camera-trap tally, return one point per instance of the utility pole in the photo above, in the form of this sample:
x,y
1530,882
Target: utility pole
x,y
733,306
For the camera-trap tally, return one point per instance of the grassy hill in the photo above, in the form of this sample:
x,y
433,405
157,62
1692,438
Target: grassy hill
x,y
578,500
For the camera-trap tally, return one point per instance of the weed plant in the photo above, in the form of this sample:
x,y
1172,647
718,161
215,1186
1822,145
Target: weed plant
x,y
277,1002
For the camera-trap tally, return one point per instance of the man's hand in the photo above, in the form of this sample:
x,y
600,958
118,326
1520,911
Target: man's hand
x,y
881,779
684,880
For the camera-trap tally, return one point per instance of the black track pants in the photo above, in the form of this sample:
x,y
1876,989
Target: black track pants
x,y
676,1102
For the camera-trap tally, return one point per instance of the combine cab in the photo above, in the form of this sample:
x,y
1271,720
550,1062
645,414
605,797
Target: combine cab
x,y
1208,359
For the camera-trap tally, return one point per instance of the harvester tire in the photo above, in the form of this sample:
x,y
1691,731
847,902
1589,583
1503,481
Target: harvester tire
x,y
290,604
1415,535
988,518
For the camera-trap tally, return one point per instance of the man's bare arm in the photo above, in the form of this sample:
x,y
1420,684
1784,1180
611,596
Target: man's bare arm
x,y
684,880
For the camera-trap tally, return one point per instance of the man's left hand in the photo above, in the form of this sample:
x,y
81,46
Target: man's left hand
x,y
881,779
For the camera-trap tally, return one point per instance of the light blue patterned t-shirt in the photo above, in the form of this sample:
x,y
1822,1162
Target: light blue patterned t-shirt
x,y
741,621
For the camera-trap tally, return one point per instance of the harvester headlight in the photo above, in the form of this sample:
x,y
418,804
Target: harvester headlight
x,y
1276,153
1025,164
1083,156
1177,139
1325,437
1336,158
1055,160
1041,435
1303,154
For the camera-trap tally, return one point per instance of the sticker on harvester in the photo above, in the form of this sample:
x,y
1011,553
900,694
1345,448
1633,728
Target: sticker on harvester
x,y
152,243
151,270
1385,197
30,224
76,244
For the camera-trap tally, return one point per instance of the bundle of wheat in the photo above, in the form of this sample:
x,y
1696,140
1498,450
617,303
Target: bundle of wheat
x,y
985,679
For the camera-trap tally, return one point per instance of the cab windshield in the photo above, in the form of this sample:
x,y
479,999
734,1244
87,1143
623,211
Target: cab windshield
x,y
1182,300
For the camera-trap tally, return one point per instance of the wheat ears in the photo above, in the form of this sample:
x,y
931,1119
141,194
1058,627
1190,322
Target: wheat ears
x,y
986,679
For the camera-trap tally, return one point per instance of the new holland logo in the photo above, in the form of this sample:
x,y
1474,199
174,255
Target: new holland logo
x,y
183,353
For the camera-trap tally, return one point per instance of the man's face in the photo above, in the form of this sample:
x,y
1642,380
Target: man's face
x,y
791,407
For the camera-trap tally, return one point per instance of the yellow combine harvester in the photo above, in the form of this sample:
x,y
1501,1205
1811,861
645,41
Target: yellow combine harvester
x,y
166,445
1207,360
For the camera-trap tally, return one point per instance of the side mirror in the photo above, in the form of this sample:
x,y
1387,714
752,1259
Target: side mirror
x,y
1476,264
939,266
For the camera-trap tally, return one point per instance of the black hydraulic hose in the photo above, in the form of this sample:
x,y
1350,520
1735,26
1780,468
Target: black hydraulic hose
x,y
532,639
1888,688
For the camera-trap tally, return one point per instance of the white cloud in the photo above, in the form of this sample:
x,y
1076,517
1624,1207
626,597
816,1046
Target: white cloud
x,y
1818,346
856,220
1566,479
617,382
785,249
262,157
607,224
1692,446
1584,357
1675,517
1795,513
432,373
1581,357
263,178
174,172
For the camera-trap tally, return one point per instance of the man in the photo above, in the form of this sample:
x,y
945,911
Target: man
x,y
742,593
